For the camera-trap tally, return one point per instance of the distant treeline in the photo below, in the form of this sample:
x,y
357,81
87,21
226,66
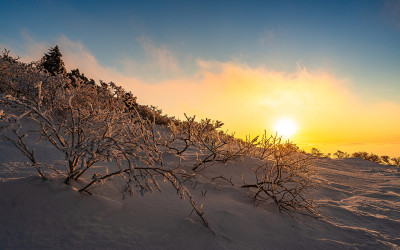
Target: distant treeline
x,y
384,159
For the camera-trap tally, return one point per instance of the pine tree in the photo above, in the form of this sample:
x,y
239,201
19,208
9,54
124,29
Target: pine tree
x,y
52,62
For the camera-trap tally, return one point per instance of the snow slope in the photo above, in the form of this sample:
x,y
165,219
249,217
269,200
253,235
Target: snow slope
x,y
361,200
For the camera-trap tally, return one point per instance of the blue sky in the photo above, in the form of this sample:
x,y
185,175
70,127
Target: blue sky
x,y
356,39
174,43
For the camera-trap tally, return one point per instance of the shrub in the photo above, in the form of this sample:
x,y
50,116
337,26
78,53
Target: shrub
x,y
211,144
385,159
369,157
396,161
283,176
88,125
154,114
374,158
362,155
341,154
316,152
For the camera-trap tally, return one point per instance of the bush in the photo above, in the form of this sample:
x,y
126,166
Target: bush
x,y
374,158
385,159
88,125
369,157
154,114
316,152
212,145
362,155
396,161
283,176
341,154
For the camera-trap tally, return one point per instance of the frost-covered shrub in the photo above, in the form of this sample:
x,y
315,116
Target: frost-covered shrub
x,y
155,114
212,144
88,124
284,176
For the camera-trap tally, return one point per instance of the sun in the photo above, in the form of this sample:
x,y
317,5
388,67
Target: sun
x,y
286,128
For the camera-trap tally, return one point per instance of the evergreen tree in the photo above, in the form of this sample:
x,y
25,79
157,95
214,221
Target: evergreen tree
x,y
78,78
52,62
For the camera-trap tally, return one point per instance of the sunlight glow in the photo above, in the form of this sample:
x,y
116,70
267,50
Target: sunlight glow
x,y
286,128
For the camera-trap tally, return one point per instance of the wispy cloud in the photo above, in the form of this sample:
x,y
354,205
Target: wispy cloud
x,y
267,36
391,10
157,63
28,50
160,58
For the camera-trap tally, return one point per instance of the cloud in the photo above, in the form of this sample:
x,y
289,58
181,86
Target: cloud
x,y
391,10
267,36
158,63
162,58
28,50
250,99
76,55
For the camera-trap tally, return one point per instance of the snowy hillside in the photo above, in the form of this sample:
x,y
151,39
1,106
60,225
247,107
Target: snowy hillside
x,y
83,166
361,200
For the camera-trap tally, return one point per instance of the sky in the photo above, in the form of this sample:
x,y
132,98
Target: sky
x,y
332,67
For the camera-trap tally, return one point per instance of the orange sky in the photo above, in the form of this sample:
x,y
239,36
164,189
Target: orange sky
x,y
330,112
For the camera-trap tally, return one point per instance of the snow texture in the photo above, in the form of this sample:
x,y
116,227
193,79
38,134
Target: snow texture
x,y
360,200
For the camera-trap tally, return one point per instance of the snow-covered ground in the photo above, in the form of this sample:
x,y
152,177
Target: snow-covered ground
x,y
360,199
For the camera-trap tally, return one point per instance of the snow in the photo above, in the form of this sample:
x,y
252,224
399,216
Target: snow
x,y
360,201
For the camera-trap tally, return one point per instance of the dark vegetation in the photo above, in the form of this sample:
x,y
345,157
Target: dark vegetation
x,y
384,159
